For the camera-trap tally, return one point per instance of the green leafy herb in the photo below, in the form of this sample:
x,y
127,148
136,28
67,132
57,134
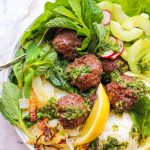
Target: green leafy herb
x,y
140,116
9,106
33,52
64,12
18,69
91,13
38,60
82,70
94,144
62,23
113,144
73,113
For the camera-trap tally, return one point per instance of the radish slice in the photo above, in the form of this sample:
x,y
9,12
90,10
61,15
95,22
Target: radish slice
x,y
120,50
107,17
110,53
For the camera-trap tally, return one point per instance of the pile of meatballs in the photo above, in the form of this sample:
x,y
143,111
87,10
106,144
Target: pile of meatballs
x,y
66,42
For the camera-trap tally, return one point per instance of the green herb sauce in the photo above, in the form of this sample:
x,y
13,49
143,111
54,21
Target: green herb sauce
x,y
81,71
113,144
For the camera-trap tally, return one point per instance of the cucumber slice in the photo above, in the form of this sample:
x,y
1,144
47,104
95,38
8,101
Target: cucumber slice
x,y
138,21
124,35
145,15
118,14
115,9
136,52
106,5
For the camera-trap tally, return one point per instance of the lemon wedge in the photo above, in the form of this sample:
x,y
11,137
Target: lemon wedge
x,y
146,145
97,119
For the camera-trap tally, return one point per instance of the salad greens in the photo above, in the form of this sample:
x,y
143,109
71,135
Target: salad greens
x,y
140,115
37,62
86,18
80,18
9,106
17,69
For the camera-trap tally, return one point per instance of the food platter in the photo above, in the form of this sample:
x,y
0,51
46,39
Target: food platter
x,y
82,71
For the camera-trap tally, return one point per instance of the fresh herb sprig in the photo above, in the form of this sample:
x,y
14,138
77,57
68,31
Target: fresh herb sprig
x,y
9,107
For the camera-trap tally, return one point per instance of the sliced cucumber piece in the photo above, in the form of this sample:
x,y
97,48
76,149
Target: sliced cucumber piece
x,y
115,9
124,35
145,15
106,5
138,21
136,52
118,14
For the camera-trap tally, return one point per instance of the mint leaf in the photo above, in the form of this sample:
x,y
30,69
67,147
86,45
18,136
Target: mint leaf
x,y
17,69
33,51
62,23
91,13
76,7
10,96
9,106
64,12
140,115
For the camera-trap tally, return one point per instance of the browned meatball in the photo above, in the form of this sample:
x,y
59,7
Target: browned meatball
x,y
121,96
111,65
66,43
85,72
72,111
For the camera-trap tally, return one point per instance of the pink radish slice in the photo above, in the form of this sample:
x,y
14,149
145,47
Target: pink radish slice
x,y
116,55
110,53
107,17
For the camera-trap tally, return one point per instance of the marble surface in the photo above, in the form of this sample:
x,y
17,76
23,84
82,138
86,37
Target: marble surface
x,y
15,16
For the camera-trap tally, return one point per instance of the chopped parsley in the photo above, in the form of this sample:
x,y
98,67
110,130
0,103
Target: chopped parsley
x,y
144,63
135,85
50,108
112,144
135,134
80,71
73,113
115,128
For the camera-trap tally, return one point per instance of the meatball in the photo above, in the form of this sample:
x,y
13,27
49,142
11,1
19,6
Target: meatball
x,y
121,96
85,72
111,65
92,98
72,111
66,43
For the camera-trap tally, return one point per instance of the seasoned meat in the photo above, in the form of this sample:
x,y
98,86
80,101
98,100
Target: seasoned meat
x,y
85,72
122,96
111,65
92,99
72,111
66,43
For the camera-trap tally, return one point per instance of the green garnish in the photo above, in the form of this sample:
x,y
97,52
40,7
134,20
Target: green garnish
x,y
9,107
73,113
115,128
81,71
140,116
113,144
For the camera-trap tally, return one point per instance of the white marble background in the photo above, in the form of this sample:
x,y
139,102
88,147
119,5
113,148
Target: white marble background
x,y
15,16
